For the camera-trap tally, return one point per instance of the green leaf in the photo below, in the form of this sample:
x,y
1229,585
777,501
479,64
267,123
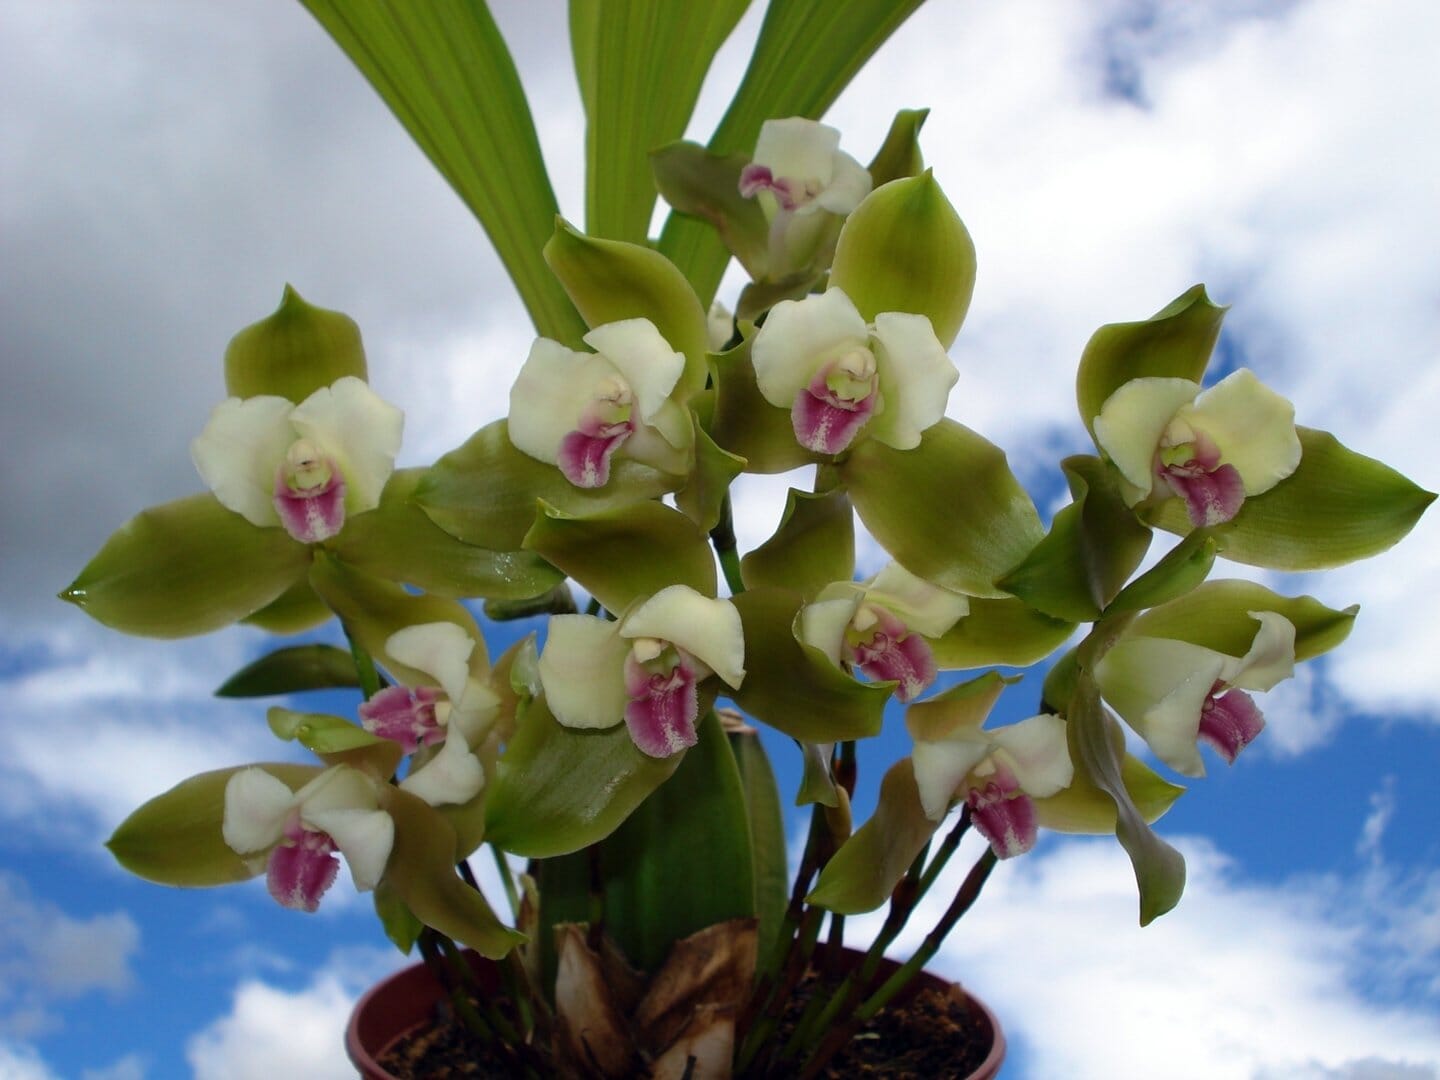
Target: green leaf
x,y
706,185
1094,545
444,71
899,155
611,280
293,352
1175,342
175,838
1336,508
186,567
1214,615
769,857
1097,748
297,667
640,66
861,875
715,469
905,249
1182,568
422,874
950,510
807,52
485,492
398,541
747,425
625,554
792,686
558,789
813,546
1005,631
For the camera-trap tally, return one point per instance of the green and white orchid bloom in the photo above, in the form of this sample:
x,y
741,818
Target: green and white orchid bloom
x,y
1213,448
643,668
1176,693
445,722
298,832
805,184
998,774
576,410
302,467
880,626
837,375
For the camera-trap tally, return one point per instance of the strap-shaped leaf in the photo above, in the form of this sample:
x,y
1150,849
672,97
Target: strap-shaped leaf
x,y
445,72
1337,507
640,66
808,51
768,854
297,667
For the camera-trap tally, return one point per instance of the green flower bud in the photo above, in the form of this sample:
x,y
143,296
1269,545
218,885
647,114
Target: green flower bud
x,y
293,352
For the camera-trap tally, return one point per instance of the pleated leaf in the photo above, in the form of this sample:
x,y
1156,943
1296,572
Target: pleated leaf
x,y
768,856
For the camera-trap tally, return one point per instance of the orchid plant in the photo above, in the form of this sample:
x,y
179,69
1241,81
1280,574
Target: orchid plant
x,y
617,750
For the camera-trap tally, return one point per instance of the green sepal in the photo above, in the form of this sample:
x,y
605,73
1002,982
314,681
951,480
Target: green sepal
x,y
559,789
758,297
640,66
293,352
399,542
904,248
186,567
625,554
950,510
295,668
1005,631
813,546
1174,343
1084,808
1214,615
963,706
817,781
611,280
768,853
1181,569
1060,683
485,492
861,875
899,155
1094,545
176,839
706,185
295,610
792,686
715,469
1097,747
747,425
1336,507
422,874
398,921
557,601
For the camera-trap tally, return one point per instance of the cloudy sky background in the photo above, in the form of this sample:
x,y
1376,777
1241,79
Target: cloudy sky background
x,y
165,167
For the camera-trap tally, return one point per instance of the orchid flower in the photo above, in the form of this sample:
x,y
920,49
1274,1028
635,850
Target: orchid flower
x,y
445,722
298,832
1212,448
880,626
837,375
996,773
303,467
804,184
643,668
1175,693
576,409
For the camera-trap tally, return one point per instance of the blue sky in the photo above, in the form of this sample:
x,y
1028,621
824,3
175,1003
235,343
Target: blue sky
x,y
166,167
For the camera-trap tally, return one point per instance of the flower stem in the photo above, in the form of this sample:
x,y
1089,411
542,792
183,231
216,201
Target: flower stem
x,y
722,536
364,668
512,894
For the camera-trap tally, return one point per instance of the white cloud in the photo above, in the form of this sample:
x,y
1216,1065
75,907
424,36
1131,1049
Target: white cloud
x,y
130,1067
21,1062
1372,832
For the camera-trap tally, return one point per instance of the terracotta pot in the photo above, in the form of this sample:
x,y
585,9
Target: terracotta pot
x,y
397,1005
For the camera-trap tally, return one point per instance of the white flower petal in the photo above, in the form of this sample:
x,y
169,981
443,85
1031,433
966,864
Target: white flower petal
x,y
799,337
339,787
941,766
582,670
451,777
643,357
916,375
797,149
1272,654
823,623
1133,419
849,183
239,452
924,607
553,388
1253,426
256,805
1037,753
1158,685
707,629
360,430
440,650
364,837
